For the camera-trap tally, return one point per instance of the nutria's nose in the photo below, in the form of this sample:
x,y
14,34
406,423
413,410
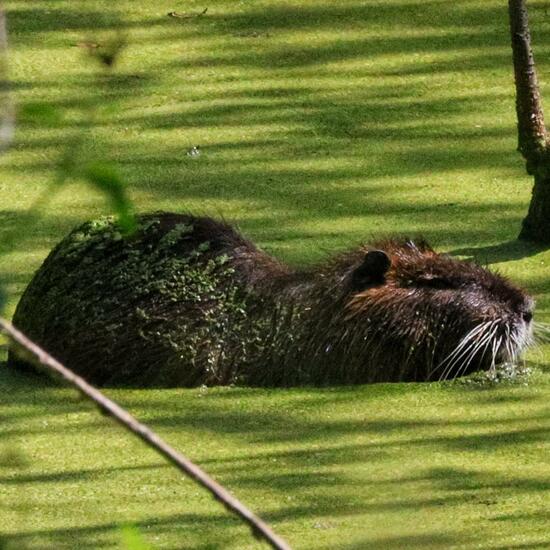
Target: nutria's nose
x,y
527,316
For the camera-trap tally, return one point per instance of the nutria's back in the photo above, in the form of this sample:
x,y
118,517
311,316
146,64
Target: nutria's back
x,y
187,300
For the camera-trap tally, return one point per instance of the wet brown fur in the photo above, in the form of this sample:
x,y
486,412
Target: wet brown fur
x,y
352,319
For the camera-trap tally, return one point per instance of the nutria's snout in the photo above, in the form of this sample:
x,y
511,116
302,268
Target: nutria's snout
x,y
501,337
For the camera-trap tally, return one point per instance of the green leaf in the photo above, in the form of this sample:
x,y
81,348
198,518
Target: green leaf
x,y
105,177
132,539
67,166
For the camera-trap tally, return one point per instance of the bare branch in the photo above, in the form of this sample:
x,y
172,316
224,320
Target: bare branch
x,y
40,358
532,135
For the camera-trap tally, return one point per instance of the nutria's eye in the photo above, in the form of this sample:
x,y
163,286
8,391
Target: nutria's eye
x,y
435,282
375,265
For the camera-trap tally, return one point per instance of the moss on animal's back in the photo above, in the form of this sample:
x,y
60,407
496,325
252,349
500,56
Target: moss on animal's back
x,y
140,306
187,300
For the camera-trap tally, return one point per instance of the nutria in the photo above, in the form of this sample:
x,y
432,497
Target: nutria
x,y
187,300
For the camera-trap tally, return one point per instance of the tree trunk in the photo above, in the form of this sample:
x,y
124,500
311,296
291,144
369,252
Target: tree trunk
x,y
536,225
532,133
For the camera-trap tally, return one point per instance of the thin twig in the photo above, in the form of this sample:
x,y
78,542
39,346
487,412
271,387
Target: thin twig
x,y
40,358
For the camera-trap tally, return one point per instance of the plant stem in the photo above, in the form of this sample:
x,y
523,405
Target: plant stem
x,y
40,358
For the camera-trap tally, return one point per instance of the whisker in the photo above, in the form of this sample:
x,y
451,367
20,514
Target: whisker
x,y
541,333
462,369
461,350
461,344
495,347
484,343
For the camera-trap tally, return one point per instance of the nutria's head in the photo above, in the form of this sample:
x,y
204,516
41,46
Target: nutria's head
x,y
437,316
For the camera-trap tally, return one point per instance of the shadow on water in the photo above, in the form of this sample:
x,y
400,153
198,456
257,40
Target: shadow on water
x,y
503,252
345,127
288,439
304,444
221,528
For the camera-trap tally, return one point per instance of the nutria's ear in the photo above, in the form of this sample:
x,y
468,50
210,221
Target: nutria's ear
x,y
375,265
